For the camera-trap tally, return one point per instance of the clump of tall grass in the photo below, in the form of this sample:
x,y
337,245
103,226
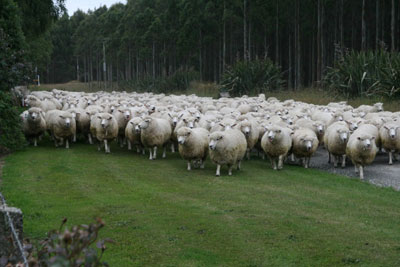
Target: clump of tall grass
x,y
252,77
372,73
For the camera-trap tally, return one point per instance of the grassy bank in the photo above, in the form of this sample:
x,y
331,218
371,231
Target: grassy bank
x,y
161,214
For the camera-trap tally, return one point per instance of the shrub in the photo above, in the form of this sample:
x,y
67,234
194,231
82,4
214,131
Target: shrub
x,y
11,136
252,77
68,247
365,74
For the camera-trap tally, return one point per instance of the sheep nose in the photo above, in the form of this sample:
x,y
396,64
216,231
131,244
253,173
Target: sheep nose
x,y
392,136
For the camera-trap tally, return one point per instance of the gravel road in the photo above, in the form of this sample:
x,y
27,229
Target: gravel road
x,y
380,173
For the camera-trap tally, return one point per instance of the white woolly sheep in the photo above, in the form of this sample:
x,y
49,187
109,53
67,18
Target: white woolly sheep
x,y
193,145
62,127
104,127
132,134
389,135
305,143
227,147
122,116
361,149
155,132
251,131
34,124
276,143
335,140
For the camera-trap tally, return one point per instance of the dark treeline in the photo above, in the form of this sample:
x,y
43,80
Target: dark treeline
x,y
155,38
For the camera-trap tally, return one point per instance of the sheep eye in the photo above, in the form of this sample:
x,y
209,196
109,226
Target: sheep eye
x,y
110,118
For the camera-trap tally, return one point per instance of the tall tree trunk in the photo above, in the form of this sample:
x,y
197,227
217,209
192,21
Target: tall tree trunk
x,y
393,26
298,47
245,30
277,33
363,28
153,59
377,25
290,61
319,41
223,39
84,69
77,68
200,56
341,26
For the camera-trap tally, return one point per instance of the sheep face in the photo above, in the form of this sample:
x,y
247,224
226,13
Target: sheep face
x,y
105,121
246,129
392,131
126,112
145,123
33,116
379,106
273,134
65,121
189,122
353,125
365,141
307,143
182,135
343,135
320,127
215,138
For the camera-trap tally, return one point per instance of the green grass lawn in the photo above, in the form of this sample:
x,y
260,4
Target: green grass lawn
x,y
160,214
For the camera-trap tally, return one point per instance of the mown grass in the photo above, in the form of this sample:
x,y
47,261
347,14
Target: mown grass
x,y
161,214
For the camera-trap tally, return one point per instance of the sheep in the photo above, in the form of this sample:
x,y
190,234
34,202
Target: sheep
x,y
361,149
122,116
276,143
389,135
82,118
132,134
33,124
193,145
335,141
227,147
62,127
155,132
251,131
104,127
305,143
377,107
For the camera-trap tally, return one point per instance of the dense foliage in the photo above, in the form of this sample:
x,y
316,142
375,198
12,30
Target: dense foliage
x,y
365,74
24,41
11,136
252,77
152,39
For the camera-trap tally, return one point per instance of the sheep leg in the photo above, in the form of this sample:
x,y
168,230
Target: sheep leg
x,y
151,154
239,163
90,139
274,164
202,164
143,151
172,148
66,143
329,157
356,168
335,160
218,170
99,146
229,169
361,172
306,162
263,155
343,160
390,157
248,153
129,145
164,153
106,147
121,141
292,157
155,152
189,167
74,138
280,162
35,141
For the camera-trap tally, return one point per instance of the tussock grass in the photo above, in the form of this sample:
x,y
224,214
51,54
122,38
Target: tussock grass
x,y
161,214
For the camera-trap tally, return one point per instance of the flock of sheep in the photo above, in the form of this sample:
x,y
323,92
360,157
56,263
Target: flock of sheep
x,y
226,129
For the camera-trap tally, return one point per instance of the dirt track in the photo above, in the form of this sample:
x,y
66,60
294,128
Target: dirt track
x,y
380,173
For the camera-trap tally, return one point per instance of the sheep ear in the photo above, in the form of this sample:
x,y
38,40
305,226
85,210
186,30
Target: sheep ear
x,y
99,117
279,131
292,133
131,122
61,116
373,138
180,116
233,125
387,128
169,114
221,124
88,113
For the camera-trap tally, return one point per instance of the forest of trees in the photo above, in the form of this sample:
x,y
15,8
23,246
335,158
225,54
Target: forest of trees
x,y
155,38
